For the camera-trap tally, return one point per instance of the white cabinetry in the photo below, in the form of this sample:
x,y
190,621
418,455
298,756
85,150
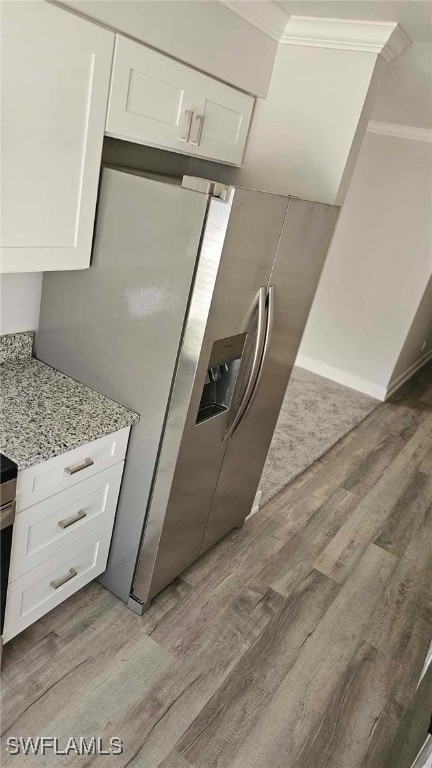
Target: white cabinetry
x,y
63,526
44,587
54,94
157,101
151,96
223,115
44,529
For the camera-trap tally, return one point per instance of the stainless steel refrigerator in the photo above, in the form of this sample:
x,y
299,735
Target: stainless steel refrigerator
x,y
191,313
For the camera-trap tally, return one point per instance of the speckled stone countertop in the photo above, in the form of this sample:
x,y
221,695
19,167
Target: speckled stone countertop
x,y
45,413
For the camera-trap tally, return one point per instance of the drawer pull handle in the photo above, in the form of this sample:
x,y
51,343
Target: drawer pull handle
x,y
59,582
78,467
71,520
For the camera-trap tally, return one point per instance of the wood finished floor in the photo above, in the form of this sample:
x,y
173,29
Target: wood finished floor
x,y
297,642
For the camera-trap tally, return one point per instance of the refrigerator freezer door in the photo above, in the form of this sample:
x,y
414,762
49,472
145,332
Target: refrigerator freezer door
x,y
237,253
304,242
117,326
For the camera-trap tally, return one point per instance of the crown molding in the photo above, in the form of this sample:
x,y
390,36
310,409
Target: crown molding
x,y
266,15
397,42
385,38
400,131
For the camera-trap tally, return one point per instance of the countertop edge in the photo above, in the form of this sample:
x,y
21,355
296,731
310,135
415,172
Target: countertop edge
x,y
64,440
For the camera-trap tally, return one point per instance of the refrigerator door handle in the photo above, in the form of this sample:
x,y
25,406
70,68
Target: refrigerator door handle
x,y
268,335
258,352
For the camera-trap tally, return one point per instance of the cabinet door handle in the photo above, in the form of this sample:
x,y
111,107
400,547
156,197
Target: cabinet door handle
x,y
71,520
78,467
63,579
189,116
197,140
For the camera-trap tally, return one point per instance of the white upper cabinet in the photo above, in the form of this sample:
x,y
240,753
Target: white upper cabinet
x,y
151,99
54,94
157,101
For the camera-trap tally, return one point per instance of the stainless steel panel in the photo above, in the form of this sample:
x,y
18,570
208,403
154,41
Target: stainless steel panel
x,y
117,326
7,515
265,353
255,365
7,491
237,253
304,242
226,349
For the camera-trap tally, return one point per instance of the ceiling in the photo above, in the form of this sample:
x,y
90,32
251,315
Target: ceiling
x,y
415,16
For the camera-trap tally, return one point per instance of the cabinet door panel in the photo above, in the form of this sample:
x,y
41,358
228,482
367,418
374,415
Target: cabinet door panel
x,y
226,115
55,81
150,94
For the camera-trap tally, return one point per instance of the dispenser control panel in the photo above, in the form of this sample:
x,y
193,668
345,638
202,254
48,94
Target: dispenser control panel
x,y
221,376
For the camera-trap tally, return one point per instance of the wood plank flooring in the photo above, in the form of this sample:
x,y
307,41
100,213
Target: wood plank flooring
x,y
296,642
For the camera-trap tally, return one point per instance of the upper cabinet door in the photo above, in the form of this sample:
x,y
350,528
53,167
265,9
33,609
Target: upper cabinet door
x,y
156,100
54,94
221,121
151,99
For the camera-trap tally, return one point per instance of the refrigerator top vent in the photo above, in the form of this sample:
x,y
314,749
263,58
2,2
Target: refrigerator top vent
x,y
207,187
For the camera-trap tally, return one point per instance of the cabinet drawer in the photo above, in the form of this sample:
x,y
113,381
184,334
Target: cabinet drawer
x,y
54,475
41,589
44,529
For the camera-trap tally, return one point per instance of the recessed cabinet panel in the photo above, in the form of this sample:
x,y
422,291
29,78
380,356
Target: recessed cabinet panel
x,y
54,60
150,98
150,95
221,124
225,115
54,94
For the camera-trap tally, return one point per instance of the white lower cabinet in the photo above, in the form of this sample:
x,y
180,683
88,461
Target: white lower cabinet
x,y
63,526
62,472
44,587
43,530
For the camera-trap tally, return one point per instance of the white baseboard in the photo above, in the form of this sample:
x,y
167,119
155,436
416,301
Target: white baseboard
x,y
342,377
256,504
403,377
356,382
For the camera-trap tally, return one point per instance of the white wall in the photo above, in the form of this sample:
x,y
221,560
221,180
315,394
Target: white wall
x,y
303,134
417,348
20,302
377,268
206,35
405,95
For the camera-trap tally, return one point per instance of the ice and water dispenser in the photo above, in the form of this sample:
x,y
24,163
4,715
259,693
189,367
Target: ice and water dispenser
x,y
221,376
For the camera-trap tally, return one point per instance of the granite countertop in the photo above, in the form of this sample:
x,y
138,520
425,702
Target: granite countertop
x,y
45,413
